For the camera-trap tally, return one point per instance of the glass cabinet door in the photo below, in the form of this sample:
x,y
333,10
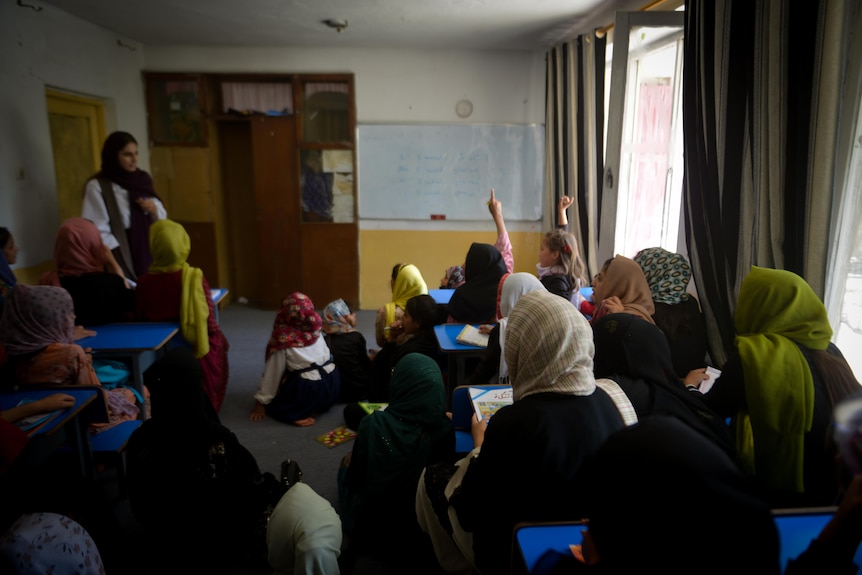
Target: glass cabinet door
x,y
175,105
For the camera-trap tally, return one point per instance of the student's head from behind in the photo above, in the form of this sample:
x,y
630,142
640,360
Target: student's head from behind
x,y
549,347
35,317
396,269
337,318
175,383
8,246
513,287
420,314
630,346
453,277
559,248
667,274
663,498
120,153
170,245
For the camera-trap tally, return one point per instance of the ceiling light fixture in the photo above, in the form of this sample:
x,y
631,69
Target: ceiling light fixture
x,y
338,23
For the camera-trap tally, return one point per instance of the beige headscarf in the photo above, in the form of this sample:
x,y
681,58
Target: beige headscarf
x,y
549,347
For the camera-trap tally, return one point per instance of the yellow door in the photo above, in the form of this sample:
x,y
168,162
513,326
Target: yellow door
x,y
77,127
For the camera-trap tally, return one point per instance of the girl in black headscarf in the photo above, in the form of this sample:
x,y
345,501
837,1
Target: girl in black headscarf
x,y
476,300
636,355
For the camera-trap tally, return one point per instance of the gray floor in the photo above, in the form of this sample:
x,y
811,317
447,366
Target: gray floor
x,y
247,330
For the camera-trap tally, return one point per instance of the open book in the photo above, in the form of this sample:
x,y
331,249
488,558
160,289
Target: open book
x,y
487,400
37,419
471,335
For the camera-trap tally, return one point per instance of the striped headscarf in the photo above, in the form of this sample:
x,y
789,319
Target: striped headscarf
x,y
549,347
667,274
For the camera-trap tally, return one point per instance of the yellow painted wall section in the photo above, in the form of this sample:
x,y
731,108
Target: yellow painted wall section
x,y
431,252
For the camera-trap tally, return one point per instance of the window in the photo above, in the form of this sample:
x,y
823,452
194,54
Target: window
x,y
642,187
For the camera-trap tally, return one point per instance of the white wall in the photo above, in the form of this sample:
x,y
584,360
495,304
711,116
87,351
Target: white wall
x,y
399,86
43,49
51,48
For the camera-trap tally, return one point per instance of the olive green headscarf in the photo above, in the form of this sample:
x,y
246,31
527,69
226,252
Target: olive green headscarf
x,y
775,311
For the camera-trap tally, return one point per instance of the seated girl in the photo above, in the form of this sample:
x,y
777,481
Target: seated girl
x,y
172,290
349,350
420,316
406,282
86,268
560,268
37,331
377,480
621,287
300,379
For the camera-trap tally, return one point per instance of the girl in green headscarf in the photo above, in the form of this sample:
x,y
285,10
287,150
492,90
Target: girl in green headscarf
x,y
781,386
378,488
173,290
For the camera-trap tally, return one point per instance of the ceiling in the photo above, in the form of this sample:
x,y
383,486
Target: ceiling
x,y
416,24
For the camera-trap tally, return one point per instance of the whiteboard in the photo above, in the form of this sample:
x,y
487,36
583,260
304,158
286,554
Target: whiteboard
x,y
414,172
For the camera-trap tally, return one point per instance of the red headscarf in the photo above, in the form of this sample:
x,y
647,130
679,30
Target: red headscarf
x,y
296,325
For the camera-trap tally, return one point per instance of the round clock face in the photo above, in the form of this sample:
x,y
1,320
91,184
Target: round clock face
x,y
464,108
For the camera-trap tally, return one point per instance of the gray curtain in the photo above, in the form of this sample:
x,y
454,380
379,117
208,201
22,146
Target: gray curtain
x,y
761,95
574,125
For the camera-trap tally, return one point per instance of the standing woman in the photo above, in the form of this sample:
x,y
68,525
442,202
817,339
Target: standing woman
x,y
175,291
121,201
8,256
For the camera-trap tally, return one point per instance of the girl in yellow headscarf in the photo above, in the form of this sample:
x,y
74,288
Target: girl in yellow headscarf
x,y
780,388
173,290
406,282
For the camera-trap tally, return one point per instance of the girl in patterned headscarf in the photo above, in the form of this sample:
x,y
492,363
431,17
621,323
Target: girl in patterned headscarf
x,y
676,313
37,330
349,350
300,379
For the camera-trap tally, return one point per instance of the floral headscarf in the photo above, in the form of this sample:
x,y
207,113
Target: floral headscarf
x,y
35,317
296,324
667,274
50,543
335,317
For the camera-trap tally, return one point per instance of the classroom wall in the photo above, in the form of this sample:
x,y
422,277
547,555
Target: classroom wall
x,y
50,48
405,86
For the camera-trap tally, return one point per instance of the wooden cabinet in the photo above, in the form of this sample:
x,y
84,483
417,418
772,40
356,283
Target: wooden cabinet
x,y
246,180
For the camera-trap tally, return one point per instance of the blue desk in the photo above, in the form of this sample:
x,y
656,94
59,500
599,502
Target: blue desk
x,y
140,342
587,292
457,353
441,296
45,438
533,540
217,295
